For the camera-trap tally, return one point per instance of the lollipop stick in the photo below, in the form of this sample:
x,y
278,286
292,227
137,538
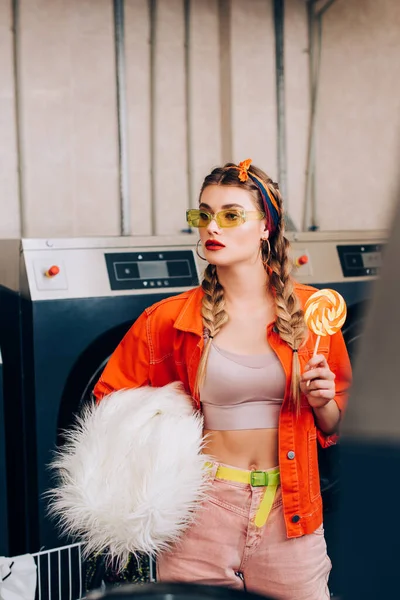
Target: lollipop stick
x,y
316,345
314,354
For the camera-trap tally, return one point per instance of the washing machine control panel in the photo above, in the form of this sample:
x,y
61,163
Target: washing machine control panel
x,y
360,260
146,270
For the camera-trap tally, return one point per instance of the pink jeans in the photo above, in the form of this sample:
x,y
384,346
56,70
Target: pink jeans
x,y
224,547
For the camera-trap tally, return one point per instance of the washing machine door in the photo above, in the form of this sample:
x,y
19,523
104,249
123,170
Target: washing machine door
x,y
87,393
85,374
353,328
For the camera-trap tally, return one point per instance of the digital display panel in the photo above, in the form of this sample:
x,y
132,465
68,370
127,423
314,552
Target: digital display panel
x,y
361,260
152,269
371,259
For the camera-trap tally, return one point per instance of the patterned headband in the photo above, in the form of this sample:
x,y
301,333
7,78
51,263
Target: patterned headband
x,y
270,204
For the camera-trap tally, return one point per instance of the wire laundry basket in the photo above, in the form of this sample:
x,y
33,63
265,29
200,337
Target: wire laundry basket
x,y
60,573
63,573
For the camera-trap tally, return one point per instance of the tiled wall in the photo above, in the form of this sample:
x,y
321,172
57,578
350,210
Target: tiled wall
x,y
178,128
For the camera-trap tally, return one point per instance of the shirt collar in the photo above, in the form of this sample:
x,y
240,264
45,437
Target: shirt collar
x,y
189,318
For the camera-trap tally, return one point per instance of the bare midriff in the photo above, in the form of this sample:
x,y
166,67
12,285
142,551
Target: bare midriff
x,y
252,449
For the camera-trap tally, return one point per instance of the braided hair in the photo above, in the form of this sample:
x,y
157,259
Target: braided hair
x,y
290,322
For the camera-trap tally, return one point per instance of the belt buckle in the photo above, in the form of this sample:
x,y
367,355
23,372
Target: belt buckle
x,y
258,478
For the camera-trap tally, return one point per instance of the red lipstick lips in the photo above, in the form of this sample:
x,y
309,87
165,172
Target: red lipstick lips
x,y
214,245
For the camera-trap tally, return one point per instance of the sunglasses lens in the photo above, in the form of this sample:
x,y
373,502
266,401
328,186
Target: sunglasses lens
x,y
197,218
230,218
225,218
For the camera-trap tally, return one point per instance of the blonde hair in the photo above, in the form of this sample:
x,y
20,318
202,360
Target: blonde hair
x,y
289,315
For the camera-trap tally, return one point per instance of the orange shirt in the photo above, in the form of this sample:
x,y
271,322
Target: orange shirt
x,y
165,345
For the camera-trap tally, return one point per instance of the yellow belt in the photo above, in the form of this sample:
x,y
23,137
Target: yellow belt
x,y
269,479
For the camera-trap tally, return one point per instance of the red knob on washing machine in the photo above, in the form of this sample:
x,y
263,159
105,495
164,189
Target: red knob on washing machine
x,y
53,271
301,260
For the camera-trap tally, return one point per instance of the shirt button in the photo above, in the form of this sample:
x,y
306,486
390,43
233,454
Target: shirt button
x,y
291,455
295,518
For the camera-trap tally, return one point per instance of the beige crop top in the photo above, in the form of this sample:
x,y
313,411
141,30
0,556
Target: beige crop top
x,y
242,391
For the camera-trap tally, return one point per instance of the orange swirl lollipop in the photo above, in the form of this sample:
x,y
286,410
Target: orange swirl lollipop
x,y
324,312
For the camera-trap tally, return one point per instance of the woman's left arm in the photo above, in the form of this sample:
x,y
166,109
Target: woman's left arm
x,y
320,393
327,392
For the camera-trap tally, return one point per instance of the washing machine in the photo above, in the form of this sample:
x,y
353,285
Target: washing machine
x,y
64,307
348,262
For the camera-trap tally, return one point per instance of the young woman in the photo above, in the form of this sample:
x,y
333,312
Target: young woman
x,y
240,346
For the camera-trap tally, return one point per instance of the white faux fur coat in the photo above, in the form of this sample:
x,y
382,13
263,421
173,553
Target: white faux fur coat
x,y
131,473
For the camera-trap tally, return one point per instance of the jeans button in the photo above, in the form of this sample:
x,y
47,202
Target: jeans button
x,y
295,518
291,455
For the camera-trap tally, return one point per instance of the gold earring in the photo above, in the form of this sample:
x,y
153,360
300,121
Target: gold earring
x,y
197,251
265,261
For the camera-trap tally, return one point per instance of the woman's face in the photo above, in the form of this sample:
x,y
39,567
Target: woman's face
x,y
232,245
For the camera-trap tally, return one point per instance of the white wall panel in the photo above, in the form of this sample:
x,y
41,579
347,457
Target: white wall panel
x,y
359,114
253,84
137,50
170,157
204,97
9,202
297,106
68,116
69,127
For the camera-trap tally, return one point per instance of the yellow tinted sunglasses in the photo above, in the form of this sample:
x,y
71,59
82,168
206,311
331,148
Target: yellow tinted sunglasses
x,y
230,217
